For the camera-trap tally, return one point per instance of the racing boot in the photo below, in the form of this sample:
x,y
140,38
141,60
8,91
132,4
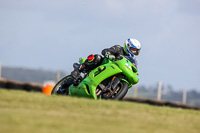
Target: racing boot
x,y
76,76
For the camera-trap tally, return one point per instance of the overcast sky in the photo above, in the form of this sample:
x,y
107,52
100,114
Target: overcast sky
x,y
53,34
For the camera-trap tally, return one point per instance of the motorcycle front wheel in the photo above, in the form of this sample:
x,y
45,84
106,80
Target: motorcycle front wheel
x,y
117,93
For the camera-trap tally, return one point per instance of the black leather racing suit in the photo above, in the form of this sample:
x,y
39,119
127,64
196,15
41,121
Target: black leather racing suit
x,y
114,50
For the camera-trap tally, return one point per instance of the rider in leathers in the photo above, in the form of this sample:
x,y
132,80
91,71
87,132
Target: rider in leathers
x,y
131,48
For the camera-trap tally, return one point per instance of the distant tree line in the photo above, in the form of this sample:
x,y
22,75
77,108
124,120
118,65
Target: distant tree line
x,y
29,75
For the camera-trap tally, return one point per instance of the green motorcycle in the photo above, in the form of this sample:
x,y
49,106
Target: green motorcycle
x,y
110,80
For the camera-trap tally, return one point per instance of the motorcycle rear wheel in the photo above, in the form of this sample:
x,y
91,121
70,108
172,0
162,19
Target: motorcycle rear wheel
x,y
62,87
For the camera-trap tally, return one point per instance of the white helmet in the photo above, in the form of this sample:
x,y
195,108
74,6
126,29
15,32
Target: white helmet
x,y
132,47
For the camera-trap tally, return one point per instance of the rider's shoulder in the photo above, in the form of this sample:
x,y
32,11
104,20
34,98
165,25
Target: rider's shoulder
x,y
117,46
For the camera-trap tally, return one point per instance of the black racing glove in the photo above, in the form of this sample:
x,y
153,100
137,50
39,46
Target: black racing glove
x,y
109,56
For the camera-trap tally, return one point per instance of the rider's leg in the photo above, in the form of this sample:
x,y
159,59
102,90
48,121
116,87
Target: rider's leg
x,y
91,62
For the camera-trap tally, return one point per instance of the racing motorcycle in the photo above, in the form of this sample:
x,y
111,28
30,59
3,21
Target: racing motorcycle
x,y
110,80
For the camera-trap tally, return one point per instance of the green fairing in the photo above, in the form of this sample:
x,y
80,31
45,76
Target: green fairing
x,y
87,88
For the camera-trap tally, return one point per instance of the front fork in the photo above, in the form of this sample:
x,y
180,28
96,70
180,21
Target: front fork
x,y
110,90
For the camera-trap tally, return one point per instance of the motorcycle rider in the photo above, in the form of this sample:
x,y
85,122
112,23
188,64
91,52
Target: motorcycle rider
x,y
131,48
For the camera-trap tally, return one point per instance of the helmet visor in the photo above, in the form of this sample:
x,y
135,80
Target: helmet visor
x,y
134,51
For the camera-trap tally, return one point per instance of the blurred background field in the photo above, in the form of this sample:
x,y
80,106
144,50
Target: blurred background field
x,y
23,112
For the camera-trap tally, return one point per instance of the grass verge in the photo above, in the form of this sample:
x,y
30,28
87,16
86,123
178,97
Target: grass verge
x,y
30,112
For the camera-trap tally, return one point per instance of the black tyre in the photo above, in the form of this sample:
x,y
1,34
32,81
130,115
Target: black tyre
x,y
62,87
122,92
116,93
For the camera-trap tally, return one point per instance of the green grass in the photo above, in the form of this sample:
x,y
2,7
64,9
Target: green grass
x,y
25,112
